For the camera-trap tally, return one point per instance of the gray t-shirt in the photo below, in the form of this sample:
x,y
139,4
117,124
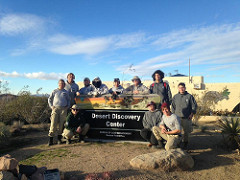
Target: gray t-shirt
x,y
59,98
171,122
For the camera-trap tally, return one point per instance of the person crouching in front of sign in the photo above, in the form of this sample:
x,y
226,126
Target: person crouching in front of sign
x,y
151,118
184,106
137,87
75,124
169,129
59,102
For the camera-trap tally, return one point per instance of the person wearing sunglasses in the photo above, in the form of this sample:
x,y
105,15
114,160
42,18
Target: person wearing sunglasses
x,y
75,124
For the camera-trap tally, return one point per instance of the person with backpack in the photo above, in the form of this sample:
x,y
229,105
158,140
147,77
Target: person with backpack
x,y
161,88
184,106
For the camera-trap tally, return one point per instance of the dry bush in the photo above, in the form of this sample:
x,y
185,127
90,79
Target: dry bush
x,y
4,132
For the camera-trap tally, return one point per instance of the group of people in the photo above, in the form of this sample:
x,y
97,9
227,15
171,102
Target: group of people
x,y
159,122
166,124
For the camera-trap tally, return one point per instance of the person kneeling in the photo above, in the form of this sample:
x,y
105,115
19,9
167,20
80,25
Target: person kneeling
x,y
75,124
169,129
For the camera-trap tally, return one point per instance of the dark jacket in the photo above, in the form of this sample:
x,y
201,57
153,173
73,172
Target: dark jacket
x,y
162,91
73,122
183,105
151,119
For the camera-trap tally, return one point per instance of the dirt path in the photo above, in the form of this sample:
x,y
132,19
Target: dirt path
x,y
78,160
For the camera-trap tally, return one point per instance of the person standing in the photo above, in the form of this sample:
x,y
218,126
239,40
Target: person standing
x,y
184,106
59,102
169,129
151,118
161,88
75,124
71,87
137,87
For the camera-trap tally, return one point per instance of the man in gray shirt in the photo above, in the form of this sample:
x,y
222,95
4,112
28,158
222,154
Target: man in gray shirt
x,y
169,129
59,102
88,88
71,87
151,118
184,106
137,87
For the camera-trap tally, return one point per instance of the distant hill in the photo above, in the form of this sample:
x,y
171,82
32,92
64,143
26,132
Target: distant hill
x,y
7,97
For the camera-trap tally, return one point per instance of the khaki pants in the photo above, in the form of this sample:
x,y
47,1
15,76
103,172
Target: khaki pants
x,y
187,128
172,140
58,118
68,134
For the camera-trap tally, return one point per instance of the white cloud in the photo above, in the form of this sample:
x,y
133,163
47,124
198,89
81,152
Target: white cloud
x,y
216,45
35,75
14,24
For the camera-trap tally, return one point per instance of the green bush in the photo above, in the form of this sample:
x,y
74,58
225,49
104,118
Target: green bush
x,y
4,132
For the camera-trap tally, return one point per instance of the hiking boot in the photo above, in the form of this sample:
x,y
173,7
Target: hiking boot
x,y
81,139
59,139
69,141
50,142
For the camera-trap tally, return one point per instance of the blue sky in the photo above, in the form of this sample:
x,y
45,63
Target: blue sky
x,y
41,40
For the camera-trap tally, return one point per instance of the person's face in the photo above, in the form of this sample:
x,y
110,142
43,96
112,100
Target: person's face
x,y
75,111
135,82
157,77
70,78
151,108
86,83
116,83
181,89
61,85
166,111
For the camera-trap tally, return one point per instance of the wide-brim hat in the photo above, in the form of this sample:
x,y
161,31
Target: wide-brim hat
x,y
135,78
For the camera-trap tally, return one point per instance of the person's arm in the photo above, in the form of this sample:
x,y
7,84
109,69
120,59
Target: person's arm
x,y
145,122
144,90
169,94
159,118
193,107
173,104
50,100
104,90
151,89
68,100
176,131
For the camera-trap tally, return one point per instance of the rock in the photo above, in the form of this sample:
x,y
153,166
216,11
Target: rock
x,y
165,160
6,175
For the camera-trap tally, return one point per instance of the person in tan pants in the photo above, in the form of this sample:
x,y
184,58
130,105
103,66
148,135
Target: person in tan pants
x,y
59,102
169,129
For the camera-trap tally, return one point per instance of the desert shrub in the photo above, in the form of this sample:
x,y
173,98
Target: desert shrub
x,y
230,128
4,132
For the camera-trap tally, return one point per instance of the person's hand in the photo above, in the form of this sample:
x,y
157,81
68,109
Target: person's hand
x,y
114,92
190,116
79,129
53,107
164,130
77,93
135,92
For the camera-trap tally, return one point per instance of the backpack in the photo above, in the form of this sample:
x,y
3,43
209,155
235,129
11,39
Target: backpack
x,y
165,89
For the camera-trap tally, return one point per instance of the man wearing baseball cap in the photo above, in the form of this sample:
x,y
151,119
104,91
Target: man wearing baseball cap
x,y
75,124
137,87
151,118
169,129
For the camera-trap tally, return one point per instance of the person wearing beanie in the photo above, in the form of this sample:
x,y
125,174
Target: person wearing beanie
x,y
151,118
161,88
169,129
88,88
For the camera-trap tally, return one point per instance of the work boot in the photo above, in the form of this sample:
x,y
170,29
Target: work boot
x,y
81,139
59,139
69,141
50,142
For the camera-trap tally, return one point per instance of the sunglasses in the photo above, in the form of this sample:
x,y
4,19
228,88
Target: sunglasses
x,y
75,109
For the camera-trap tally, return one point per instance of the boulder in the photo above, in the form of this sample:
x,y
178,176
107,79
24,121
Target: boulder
x,y
174,159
